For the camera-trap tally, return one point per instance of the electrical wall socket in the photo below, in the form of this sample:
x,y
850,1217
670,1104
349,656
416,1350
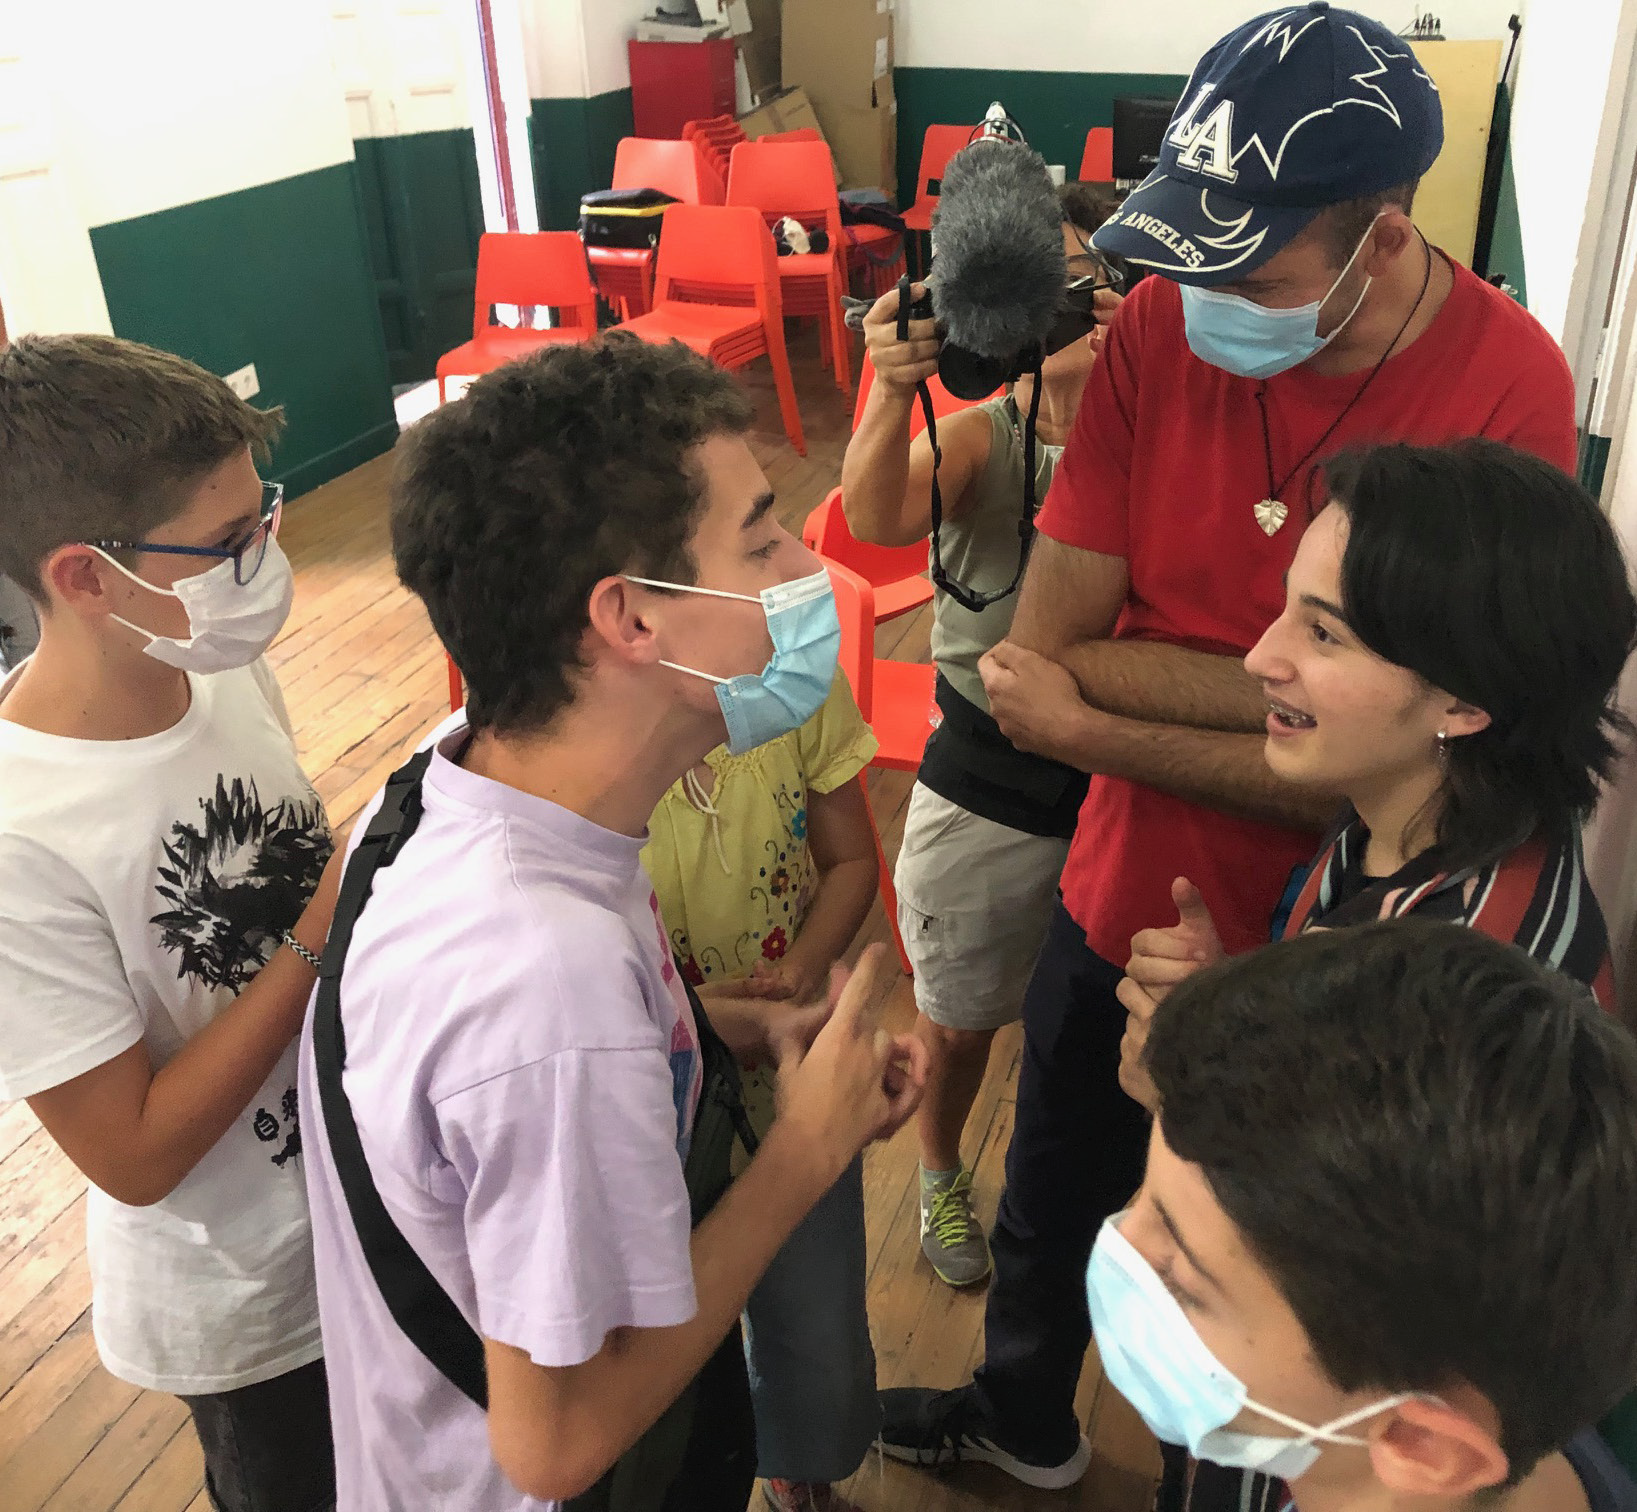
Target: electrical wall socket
x,y
243,381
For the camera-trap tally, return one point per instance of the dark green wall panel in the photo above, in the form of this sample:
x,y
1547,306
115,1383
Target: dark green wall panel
x,y
277,275
423,210
574,142
1056,110
1506,244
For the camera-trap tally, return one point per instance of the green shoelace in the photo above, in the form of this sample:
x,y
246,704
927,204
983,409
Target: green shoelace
x,y
951,1219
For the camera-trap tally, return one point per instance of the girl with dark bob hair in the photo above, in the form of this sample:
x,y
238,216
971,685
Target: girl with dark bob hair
x,y
1456,621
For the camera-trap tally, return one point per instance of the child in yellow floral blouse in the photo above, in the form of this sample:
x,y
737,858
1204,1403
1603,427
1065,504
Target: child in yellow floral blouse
x,y
765,866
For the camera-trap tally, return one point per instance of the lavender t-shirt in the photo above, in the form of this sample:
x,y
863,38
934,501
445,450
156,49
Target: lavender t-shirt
x,y
524,1072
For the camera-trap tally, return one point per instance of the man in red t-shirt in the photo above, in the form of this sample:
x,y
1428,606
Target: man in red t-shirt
x,y
1298,310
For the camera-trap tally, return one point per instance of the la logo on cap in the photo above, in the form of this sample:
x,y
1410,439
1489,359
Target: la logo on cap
x,y
1206,146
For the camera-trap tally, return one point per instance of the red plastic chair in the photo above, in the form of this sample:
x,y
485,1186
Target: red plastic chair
x,y
938,146
896,574
717,136
625,275
523,268
716,246
1097,163
798,179
895,698
875,252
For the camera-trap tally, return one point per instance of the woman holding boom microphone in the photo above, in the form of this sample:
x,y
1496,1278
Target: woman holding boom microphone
x,y
1455,624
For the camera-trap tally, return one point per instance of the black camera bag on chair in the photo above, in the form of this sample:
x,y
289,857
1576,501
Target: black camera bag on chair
x,y
623,218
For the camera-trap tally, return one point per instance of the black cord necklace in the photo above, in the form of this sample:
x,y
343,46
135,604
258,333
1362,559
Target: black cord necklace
x,y
1272,512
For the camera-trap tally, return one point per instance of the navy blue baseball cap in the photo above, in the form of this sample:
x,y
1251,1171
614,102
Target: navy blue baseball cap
x,y
1300,109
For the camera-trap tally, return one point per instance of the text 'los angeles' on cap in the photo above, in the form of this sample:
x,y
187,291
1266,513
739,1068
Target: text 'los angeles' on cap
x,y
1296,110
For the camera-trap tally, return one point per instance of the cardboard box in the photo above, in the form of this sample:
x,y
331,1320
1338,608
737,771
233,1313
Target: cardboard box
x,y
840,52
837,50
760,47
788,110
864,139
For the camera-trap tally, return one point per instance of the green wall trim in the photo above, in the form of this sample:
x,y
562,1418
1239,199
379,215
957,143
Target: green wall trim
x,y
277,275
573,143
1506,242
1594,461
342,459
1055,110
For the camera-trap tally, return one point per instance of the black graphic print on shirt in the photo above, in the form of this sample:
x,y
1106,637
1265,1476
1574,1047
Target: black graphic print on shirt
x,y
237,880
266,1128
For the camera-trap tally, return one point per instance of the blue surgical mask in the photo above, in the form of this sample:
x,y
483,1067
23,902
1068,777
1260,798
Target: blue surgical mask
x,y
1157,1362
791,688
1251,341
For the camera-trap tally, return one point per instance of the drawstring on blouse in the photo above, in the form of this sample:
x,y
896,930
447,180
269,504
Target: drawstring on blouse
x,y
694,790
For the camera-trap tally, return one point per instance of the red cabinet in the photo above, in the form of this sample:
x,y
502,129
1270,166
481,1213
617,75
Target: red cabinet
x,y
676,82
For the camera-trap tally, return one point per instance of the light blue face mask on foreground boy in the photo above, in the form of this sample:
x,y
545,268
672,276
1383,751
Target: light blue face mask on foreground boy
x,y
791,688
1157,1362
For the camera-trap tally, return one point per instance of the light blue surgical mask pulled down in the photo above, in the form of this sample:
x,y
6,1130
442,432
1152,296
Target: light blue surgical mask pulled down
x,y
791,688
1158,1363
1251,341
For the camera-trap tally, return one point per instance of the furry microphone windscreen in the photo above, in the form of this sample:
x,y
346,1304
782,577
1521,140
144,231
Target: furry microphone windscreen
x,y
997,240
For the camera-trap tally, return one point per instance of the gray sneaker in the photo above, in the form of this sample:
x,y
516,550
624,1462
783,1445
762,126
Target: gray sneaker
x,y
952,1239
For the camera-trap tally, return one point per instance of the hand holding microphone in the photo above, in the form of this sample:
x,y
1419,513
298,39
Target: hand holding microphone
x,y
902,364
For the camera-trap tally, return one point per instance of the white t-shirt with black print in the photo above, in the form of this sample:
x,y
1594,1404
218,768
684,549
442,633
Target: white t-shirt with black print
x,y
145,882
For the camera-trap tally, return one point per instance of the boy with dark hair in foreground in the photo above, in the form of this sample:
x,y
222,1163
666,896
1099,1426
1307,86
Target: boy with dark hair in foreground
x,y
1411,1285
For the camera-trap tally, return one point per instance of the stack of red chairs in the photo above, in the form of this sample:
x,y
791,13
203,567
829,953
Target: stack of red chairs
x,y
874,253
797,179
716,137
625,275
717,290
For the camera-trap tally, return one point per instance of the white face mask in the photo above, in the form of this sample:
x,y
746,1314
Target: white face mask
x,y
231,623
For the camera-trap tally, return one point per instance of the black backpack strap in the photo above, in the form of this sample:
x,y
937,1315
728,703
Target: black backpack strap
x,y
418,1304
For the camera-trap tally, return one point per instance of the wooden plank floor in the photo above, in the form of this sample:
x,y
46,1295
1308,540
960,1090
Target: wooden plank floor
x,y
364,678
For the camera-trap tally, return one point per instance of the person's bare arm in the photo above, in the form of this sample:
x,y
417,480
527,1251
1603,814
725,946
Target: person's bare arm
x,y
1070,603
1038,706
886,479
135,1132
838,834
556,1431
1163,684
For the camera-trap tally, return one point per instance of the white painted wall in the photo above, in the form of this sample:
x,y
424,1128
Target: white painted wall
x,y
1116,36
576,48
404,65
48,274
554,46
610,24
181,100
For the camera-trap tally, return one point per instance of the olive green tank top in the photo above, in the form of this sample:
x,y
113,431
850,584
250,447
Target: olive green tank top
x,y
980,549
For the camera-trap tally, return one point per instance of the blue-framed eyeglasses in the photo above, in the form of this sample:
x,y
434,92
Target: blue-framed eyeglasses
x,y
246,555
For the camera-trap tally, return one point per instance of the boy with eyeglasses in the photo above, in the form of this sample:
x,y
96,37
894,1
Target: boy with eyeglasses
x,y
163,859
